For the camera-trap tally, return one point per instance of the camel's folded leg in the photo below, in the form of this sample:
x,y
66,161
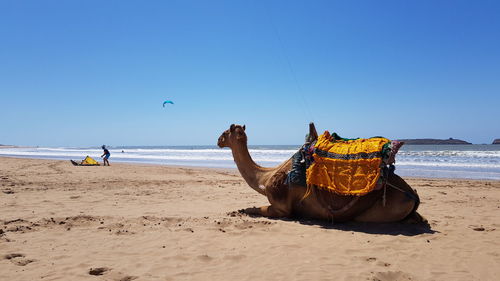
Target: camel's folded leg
x,y
415,218
267,211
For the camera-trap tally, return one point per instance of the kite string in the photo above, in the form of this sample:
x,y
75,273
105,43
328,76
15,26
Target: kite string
x,y
300,91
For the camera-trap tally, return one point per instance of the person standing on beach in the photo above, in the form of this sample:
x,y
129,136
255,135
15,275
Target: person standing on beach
x,y
106,155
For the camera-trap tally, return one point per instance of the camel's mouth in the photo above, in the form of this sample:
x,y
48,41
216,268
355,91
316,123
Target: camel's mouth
x,y
220,142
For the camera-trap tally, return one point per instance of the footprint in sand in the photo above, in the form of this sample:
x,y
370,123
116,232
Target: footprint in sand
x,y
128,278
480,228
18,259
385,264
392,275
98,270
205,258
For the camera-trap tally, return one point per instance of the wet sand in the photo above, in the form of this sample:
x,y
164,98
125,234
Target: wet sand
x,y
145,222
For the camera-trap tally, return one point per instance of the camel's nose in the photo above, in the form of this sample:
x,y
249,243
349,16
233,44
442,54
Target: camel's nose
x,y
220,141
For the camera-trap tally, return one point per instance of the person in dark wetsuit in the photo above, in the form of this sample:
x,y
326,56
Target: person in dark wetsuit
x,y
106,155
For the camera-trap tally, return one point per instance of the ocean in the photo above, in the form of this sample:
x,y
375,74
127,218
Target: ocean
x,y
430,161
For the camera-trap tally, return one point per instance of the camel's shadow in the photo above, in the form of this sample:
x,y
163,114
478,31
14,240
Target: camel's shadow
x,y
395,228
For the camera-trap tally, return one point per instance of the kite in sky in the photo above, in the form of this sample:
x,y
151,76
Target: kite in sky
x,y
167,101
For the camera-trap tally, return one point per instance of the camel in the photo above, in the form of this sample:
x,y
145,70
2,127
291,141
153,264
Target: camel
x,y
399,203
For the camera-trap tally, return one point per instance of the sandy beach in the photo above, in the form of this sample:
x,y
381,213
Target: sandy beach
x,y
146,222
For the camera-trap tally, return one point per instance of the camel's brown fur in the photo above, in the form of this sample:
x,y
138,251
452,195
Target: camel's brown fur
x,y
287,201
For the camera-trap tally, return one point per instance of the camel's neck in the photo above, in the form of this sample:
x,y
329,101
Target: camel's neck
x,y
255,175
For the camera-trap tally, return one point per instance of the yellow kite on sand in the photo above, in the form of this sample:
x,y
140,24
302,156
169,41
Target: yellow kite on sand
x,y
88,161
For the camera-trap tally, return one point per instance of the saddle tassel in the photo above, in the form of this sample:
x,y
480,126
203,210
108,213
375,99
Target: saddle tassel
x,y
383,196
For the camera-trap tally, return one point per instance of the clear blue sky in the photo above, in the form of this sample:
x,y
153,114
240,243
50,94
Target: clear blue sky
x,y
84,73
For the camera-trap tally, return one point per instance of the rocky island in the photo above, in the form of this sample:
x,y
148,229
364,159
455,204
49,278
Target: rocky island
x,y
434,141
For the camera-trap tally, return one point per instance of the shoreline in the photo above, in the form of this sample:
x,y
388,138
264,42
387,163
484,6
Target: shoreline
x,y
230,168
151,222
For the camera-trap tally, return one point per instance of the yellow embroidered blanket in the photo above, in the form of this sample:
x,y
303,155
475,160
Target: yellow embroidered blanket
x,y
346,167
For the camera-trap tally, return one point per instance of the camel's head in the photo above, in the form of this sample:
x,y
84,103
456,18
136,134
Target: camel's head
x,y
235,134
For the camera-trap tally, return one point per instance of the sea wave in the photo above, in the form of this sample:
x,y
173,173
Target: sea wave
x,y
448,164
457,162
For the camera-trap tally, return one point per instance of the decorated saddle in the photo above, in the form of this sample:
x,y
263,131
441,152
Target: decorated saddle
x,y
350,166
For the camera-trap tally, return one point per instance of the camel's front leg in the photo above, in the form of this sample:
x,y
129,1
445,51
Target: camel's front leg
x,y
270,211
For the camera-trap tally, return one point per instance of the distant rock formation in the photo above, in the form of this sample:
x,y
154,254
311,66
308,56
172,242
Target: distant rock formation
x,y
496,141
434,141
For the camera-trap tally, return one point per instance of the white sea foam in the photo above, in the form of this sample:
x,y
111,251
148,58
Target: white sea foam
x,y
474,161
447,164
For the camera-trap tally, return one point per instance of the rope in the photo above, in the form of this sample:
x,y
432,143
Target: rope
x,y
410,195
383,197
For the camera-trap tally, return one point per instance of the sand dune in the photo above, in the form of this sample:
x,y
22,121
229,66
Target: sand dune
x,y
140,222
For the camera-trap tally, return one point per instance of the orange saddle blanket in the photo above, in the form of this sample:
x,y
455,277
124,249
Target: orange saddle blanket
x,y
347,167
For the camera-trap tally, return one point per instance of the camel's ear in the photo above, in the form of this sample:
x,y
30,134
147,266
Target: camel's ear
x,y
232,128
243,127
